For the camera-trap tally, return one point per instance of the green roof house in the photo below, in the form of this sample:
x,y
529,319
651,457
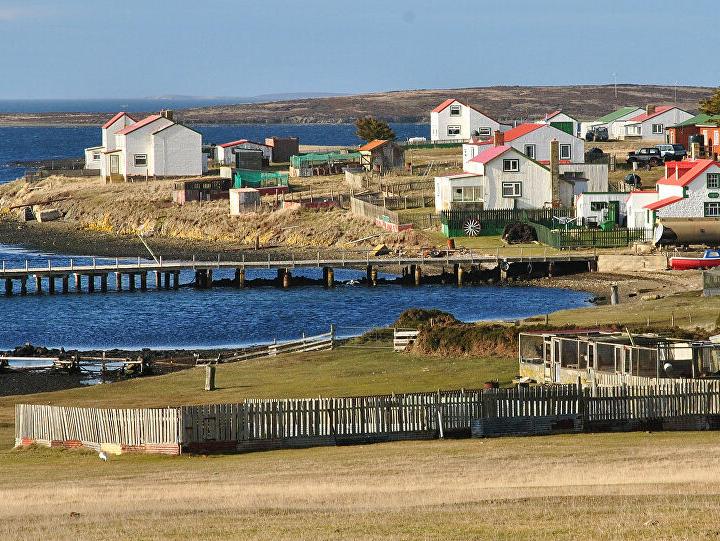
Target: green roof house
x,y
615,121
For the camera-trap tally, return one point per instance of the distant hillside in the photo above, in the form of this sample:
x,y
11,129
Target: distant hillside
x,y
501,102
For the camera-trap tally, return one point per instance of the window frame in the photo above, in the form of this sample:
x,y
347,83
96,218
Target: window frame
x,y
454,128
569,151
484,131
516,186
532,155
715,177
455,110
141,157
96,156
712,204
507,165
659,131
598,206
476,197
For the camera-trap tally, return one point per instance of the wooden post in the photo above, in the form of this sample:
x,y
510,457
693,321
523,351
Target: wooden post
x,y
373,276
8,286
330,277
286,279
614,296
143,281
167,279
158,279
418,275
103,283
23,285
77,279
51,285
38,284
118,281
176,280
368,274
210,377
131,281
91,283
460,275
65,284
240,278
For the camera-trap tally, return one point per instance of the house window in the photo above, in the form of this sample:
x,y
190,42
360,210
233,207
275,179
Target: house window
x,y
713,181
140,160
530,151
565,152
657,128
96,156
484,132
467,194
511,165
454,110
712,210
453,130
511,189
597,206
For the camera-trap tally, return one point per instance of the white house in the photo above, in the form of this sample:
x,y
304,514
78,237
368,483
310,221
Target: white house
x,y
224,153
596,207
93,157
562,121
614,122
650,125
690,189
454,121
501,177
155,146
533,140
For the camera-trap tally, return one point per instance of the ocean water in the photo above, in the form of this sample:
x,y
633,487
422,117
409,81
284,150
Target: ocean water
x,y
227,317
21,144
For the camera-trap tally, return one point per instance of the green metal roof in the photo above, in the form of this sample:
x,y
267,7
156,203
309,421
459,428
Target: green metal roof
x,y
702,118
610,117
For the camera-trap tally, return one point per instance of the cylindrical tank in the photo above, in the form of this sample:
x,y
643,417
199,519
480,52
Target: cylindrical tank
x,y
686,231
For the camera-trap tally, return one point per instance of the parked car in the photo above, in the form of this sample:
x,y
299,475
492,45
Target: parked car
x,y
599,133
646,156
672,152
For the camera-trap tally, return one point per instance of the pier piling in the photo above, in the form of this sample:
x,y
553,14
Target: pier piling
x,y
8,286
77,282
176,280
287,278
103,283
38,284
158,279
131,281
65,284
240,278
418,275
23,285
91,283
51,285
118,281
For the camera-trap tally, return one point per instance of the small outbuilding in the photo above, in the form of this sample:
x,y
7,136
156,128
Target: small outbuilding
x,y
244,200
201,190
382,155
283,148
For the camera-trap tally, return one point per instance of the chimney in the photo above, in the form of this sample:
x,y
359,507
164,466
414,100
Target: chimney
x,y
650,109
498,138
167,113
555,172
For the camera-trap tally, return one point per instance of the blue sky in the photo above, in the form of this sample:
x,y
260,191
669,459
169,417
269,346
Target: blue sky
x,y
140,48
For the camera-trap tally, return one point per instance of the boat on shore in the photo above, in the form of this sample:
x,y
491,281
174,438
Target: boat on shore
x,y
711,258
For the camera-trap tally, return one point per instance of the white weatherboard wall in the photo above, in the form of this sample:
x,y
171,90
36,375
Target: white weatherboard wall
x,y
177,151
140,142
639,217
595,173
583,204
644,130
535,180
108,134
93,158
444,187
542,137
468,120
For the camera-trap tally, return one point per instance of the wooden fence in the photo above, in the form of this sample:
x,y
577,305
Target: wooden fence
x,y
373,212
492,222
286,423
402,338
111,430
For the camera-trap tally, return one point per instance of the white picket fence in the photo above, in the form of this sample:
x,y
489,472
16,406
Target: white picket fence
x,y
402,338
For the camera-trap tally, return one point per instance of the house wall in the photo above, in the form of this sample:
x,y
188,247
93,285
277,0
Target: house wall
x,y
139,142
696,195
108,134
668,118
445,185
639,217
583,205
535,179
90,161
711,136
541,139
681,135
563,117
468,120
177,151
595,173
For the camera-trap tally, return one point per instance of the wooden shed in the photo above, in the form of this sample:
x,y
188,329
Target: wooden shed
x,y
382,155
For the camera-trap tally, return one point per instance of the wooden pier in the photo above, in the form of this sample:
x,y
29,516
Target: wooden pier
x,y
165,275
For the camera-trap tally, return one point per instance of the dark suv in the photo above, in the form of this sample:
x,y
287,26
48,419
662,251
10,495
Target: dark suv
x,y
646,156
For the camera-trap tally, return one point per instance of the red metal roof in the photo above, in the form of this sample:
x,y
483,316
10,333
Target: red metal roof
x,y
114,119
144,122
658,111
548,117
522,129
373,144
663,202
443,105
699,167
490,154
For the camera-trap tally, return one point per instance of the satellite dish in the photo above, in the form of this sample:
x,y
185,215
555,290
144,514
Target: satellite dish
x,y
668,367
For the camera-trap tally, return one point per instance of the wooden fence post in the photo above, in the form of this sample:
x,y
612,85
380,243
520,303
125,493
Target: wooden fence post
x,y
210,377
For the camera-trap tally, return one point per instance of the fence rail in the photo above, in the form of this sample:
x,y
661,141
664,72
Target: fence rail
x,y
492,222
374,212
589,238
